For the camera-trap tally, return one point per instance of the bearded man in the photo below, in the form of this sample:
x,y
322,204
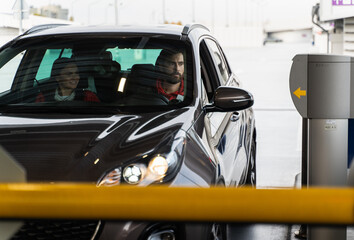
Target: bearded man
x,y
170,84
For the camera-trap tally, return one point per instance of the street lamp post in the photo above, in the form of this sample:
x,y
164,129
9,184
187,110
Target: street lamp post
x,y
21,17
163,12
193,10
116,12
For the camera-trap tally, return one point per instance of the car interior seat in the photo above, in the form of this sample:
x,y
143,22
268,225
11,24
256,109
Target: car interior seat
x,y
85,65
141,79
141,86
107,76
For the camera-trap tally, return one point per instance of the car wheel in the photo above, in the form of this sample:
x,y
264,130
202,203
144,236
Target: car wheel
x,y
218,231
251,172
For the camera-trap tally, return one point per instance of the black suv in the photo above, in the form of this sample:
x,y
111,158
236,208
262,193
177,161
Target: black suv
x,y
128,105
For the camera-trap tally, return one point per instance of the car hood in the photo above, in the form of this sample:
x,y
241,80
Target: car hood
x,y
74,148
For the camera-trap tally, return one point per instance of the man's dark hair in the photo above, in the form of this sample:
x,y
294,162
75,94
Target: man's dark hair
x,y
166,54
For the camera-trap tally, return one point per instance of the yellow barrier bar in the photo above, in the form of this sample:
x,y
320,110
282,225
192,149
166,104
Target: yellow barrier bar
x,y
322,206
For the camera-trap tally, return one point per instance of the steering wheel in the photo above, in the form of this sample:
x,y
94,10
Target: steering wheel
x,y
163,98
174,101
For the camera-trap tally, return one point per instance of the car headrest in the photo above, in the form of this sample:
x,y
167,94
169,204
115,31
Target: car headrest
x,y
106,55
143,74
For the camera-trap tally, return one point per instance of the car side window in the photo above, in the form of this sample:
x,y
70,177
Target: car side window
x,y
207,87
205,98
211,80
219,61
8,72
208,72
49,57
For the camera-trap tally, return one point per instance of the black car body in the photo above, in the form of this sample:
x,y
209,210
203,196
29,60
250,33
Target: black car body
x,y
132,135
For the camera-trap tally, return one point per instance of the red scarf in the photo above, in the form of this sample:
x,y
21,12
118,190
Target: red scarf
x,y
173,95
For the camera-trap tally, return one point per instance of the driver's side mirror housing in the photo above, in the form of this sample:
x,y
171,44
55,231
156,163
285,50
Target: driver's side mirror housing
x,y
230,99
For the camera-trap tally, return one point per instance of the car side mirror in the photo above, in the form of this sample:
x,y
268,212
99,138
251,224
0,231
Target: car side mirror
x,y
230,99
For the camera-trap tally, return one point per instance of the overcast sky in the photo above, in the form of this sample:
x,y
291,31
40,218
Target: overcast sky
x,y
102,11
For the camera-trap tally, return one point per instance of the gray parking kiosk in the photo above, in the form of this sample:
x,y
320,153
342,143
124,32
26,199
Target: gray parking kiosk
x,y
322,92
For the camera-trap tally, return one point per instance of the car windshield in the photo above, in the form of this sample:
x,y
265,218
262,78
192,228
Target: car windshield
x,y
89,72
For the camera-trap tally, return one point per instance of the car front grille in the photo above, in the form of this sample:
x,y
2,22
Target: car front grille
x,y
68,230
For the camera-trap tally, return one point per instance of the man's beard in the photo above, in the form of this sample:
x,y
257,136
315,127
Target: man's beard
x,y
173,79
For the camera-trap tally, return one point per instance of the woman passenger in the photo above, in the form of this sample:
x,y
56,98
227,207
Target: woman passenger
x,y
66,74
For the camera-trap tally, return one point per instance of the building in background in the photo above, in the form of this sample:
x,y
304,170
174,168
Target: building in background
x,y
10,25
51,11
335,26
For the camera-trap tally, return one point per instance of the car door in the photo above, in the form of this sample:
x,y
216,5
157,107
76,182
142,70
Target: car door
x,y
224,130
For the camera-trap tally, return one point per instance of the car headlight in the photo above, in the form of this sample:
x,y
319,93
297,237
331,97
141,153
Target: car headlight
x,y
112,178
134,173
140,174
158,166
147,169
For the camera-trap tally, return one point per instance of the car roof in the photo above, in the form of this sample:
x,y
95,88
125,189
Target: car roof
x,y
61,29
